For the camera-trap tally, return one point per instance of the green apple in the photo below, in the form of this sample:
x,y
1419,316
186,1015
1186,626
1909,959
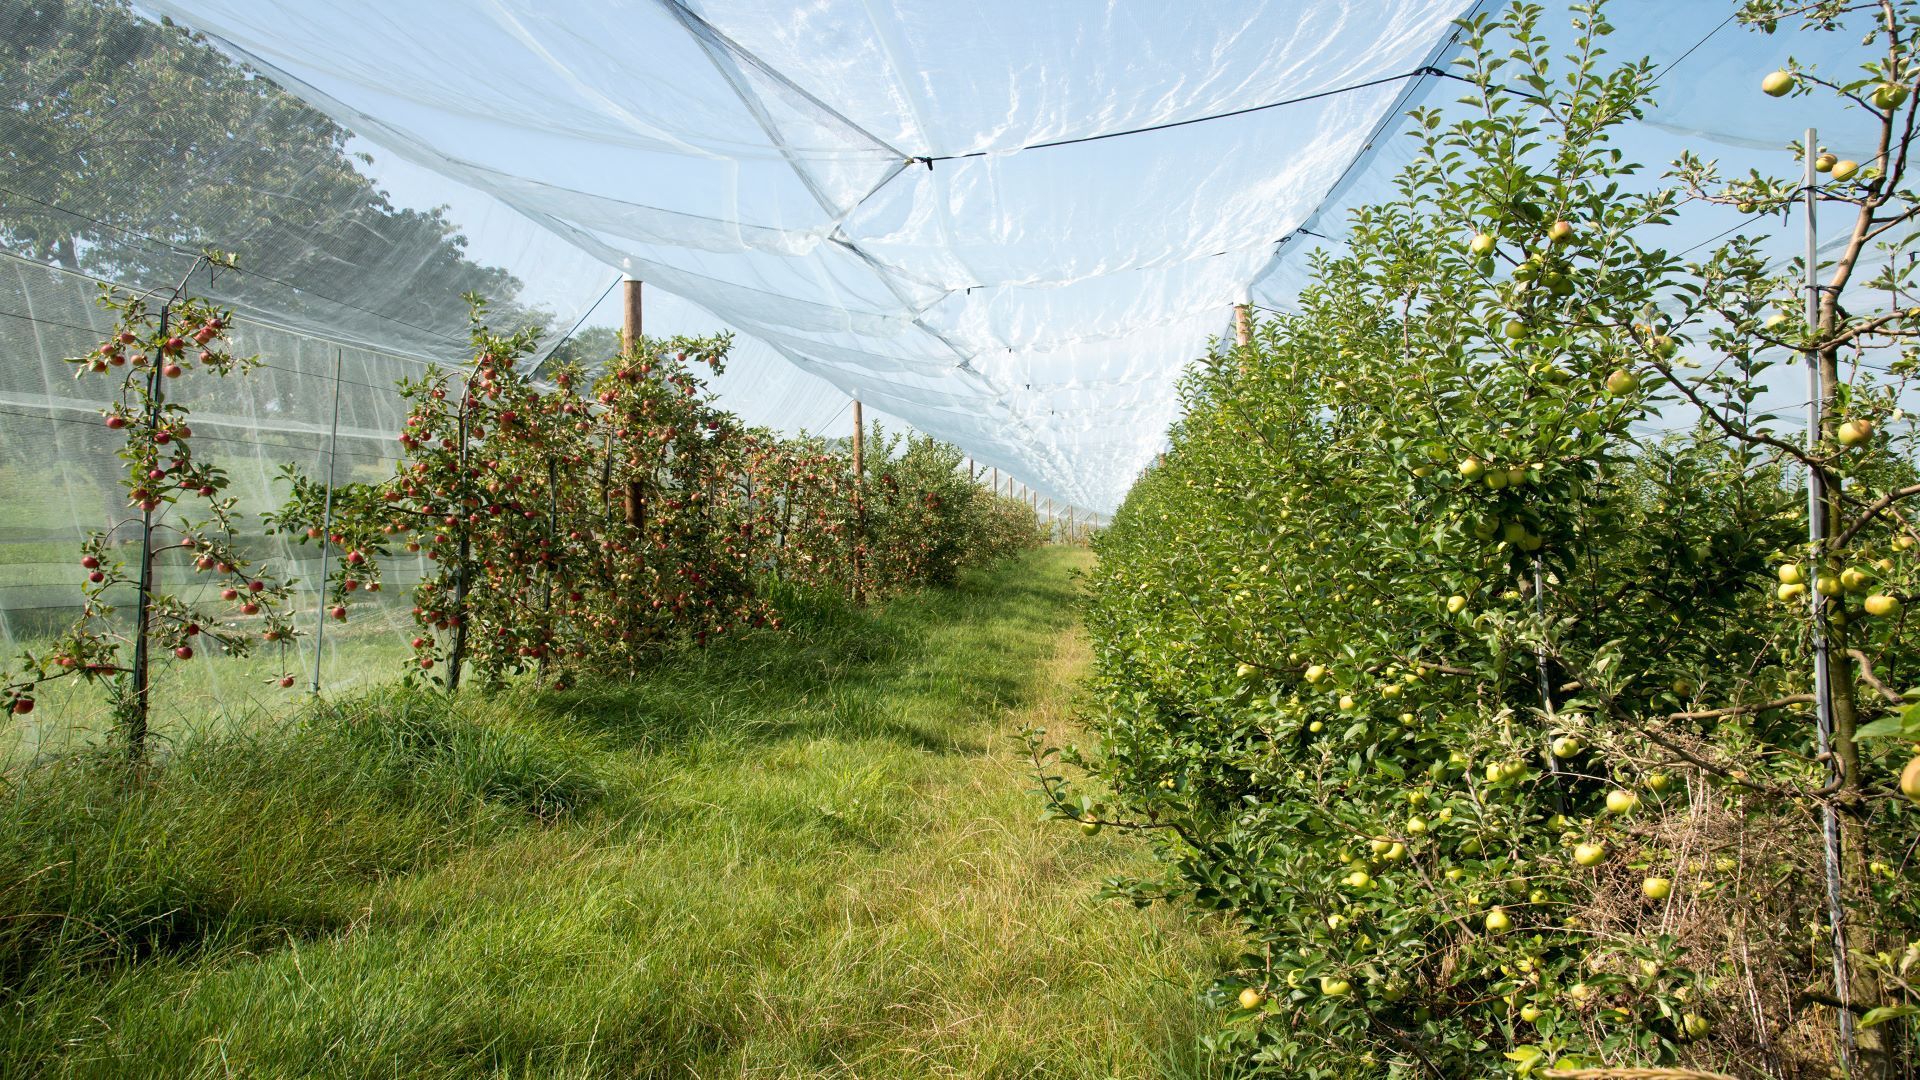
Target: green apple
x,y
1777,84
1622,382
1244,670
1566,746
1359,879
1694,1026
1315,673
1658,782
1853,580
1514,329
1823,164
1471,468
1791,574
1251,998
1481,244
1416,826
1889,96
1827,585
1589,854
1316,727
1530,1013
1559,232
1791,592
1498,921
1844,170
1910,780
1090,827
1656,888
1620,801
1333,987
1854,432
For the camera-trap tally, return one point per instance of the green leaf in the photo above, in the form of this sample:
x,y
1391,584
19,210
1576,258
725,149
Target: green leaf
x,y
1904,726
1884,1013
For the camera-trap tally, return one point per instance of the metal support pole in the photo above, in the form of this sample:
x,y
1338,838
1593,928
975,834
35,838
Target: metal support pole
x,y
326,532
143,613
1822,668
630,340
458,655
859,483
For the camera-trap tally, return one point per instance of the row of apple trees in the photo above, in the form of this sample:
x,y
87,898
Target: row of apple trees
x,y
579,524
575,525
1461,649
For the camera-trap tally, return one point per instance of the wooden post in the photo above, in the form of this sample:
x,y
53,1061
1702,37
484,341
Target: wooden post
x,y
630,326
1243,323
630,340
859,439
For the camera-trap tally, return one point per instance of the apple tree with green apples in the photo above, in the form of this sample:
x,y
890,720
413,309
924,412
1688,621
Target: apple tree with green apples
x,y
1461,648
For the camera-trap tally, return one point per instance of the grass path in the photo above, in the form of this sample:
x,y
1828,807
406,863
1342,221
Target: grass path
x,y
805,855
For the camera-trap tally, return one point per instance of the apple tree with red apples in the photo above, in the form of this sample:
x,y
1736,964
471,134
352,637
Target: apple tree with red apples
x,y
183,522
676,556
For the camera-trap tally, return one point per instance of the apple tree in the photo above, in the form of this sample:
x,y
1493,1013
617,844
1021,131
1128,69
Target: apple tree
x,y
183,522
1462,648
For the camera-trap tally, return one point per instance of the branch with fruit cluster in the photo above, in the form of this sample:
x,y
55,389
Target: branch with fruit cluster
x,y
151,347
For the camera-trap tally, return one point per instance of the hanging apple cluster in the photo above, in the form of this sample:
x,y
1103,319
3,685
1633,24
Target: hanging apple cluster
x,y
1485,706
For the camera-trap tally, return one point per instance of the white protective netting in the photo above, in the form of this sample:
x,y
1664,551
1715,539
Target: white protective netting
x,y
1007,224
769,161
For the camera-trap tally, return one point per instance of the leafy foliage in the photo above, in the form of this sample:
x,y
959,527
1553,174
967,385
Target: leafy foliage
x,y
1488,715
582,530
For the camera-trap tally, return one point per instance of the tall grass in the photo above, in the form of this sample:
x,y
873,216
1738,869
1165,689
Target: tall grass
x,y
801,854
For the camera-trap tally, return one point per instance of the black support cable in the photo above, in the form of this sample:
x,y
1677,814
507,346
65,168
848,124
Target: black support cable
x,y
1315,96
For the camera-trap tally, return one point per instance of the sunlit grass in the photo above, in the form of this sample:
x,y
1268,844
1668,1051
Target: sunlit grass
x,y
808,854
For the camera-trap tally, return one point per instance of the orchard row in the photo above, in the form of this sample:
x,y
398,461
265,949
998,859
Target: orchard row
x,y
1492,718
576,525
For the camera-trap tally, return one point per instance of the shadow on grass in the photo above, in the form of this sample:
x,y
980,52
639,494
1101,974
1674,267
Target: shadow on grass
x,y
245,839
840,672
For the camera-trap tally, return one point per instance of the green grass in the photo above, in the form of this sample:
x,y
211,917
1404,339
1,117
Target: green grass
x,y
804,854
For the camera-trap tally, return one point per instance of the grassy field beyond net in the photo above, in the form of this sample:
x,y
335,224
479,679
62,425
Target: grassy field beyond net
x,y
805,854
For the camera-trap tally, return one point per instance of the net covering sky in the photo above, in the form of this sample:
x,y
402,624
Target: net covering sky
x,y
911,199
